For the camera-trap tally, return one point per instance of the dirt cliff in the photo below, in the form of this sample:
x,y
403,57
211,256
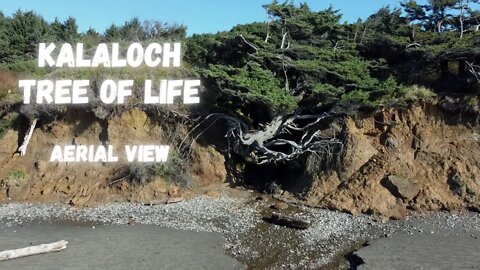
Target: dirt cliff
x,y
33,178
421,158
424,157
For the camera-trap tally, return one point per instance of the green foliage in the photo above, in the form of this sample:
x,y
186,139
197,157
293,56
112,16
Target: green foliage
x,y
417,93
297,53
262,83
327,89
374,93
23,31
172,171
135,30
26,67
14,178
21,34
442,15
357,97
200,49
254,82
17,174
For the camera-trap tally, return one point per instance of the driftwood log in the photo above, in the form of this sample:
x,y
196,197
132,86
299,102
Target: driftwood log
x,y
288,221
23,148
174,200
33,250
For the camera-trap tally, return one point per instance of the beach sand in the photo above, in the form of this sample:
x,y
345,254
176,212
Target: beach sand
x,y
116,247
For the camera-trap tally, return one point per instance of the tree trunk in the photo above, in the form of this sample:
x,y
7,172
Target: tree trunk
x,y
267,37
23,148
33,250
439,26
462,14
364,33
287,84
284,37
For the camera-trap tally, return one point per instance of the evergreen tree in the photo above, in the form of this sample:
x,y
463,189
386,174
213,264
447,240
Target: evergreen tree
x,y
440,13
70,30
56,30
132,30
26,30
4,37
113,33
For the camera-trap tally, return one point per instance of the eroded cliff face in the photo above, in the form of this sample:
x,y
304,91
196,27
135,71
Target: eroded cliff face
x,y
88,183
422,158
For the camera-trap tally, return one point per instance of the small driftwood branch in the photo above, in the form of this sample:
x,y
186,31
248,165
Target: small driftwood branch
x,y
33,250
175,200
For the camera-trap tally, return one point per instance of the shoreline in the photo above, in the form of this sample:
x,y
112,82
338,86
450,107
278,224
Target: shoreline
x,y
248,239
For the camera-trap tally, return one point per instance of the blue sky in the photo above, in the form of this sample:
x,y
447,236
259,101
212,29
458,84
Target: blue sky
x,y
200,16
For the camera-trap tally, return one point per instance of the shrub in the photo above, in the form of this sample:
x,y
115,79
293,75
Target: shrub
x,y
416,93
14,178
173,171
327,89
141,174
17,175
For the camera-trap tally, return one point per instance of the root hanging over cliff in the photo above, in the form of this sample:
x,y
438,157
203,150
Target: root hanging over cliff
x,y
474,70
284,139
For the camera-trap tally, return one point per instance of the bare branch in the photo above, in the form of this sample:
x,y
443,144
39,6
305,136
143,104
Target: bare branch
x,y
416,45
284,67
248,43
474,70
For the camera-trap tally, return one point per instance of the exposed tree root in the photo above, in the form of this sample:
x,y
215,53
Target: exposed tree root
x,y
285,138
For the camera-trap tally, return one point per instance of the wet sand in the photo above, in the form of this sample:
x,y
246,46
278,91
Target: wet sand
x,y
439,250
437,241
116,247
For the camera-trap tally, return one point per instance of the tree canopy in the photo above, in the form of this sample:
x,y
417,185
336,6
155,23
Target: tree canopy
x,y
297,57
